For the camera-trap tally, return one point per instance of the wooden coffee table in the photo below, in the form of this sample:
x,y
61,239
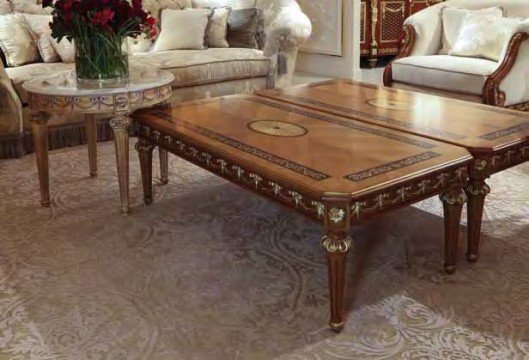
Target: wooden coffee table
x,y
335,170
497,138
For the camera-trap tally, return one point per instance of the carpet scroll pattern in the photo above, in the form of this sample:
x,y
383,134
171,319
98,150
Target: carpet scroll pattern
x,y
210,271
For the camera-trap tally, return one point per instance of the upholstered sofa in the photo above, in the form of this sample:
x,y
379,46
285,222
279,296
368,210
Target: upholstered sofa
x,y
199,73
419,66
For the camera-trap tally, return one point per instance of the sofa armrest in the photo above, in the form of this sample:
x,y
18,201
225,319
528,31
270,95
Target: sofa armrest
x,y
290,29
428,28
11,115
509,84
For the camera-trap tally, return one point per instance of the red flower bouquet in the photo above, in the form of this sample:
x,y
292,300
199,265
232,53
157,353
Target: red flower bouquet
x,y
99,28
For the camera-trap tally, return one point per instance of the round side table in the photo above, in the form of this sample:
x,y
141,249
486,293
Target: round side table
x,y
59,93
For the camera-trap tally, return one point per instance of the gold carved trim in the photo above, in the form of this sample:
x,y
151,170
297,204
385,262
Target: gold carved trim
x,y
372,204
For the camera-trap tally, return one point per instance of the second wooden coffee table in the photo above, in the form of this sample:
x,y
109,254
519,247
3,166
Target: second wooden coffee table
x,y
497,138
335,170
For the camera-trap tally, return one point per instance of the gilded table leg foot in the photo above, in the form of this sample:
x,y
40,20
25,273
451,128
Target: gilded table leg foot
x,y
337,244
453,202
164,165
477,190
145,149
120,126
39,124
91,137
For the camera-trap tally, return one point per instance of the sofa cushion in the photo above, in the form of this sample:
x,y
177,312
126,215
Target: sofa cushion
x,y
197,67
452,73
22,73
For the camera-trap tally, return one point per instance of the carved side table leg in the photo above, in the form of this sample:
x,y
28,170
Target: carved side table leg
x,y
477,190
164,165
91,137
337,244
145,149
453,202
121,127
39,125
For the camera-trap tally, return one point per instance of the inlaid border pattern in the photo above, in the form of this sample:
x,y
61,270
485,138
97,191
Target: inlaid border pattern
x,y
372,116
344,123
406,193
505,132
395,165
235,173
277,160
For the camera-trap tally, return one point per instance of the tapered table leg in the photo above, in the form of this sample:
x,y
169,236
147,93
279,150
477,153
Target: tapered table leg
x,y
121,129
164,165
337,244
337,249
39,125
91,137
453,202
477,191
145,150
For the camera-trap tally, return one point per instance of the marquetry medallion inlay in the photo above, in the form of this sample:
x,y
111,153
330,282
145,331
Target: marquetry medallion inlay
x,y
277,128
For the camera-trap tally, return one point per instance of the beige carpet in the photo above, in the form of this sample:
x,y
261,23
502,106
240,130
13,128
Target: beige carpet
x,y
210,271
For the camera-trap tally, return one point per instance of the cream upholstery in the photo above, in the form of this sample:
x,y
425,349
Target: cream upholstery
x,y
199,67
199,73
426,68
458,74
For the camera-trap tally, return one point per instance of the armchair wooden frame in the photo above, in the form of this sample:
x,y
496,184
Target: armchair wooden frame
x,y
492,94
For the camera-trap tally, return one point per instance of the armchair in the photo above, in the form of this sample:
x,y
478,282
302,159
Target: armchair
x,y
419,66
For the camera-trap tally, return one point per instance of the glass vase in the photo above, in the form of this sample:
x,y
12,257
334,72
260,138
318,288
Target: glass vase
x,y
101,61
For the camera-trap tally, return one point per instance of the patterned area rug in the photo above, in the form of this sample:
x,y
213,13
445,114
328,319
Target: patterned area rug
x,y
210,271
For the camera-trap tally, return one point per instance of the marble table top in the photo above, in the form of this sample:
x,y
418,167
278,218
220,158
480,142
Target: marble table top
x,y
64,83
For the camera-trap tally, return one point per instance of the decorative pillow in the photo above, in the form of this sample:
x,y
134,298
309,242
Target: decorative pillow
x,y
242,28
5,7
16,41
453,20
218,28
476,39
65,49
40,26
183,29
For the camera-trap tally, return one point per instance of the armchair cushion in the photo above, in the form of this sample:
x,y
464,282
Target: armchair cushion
x,y
444,72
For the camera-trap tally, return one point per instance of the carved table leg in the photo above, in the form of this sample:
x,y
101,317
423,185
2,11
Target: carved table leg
x,y
477,190
91,137
164,165
121,127
164,158
453,202
337,244
145,149
39,125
